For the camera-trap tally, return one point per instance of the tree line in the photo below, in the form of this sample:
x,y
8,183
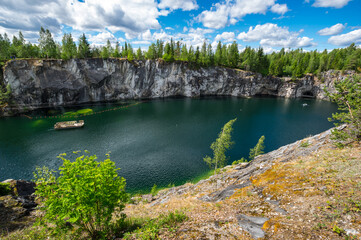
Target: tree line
x,y
286,62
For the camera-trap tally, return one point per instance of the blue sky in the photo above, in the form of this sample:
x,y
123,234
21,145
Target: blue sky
x,y
272,24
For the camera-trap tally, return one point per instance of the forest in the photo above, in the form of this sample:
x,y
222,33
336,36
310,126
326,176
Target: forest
x,y
286,62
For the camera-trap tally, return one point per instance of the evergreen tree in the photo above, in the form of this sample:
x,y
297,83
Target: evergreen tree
x,y
130,56
348,99
184,53
258,149
218,54
151,54
220,146
83,47
116,52
233,55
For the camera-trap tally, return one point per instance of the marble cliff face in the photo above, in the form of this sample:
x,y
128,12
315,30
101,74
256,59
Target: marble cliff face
x,y
51,83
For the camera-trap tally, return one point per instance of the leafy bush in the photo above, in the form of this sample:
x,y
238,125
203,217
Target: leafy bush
x,y
4,189
85,194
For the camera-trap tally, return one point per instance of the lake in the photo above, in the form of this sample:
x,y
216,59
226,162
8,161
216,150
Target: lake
x,y
158,141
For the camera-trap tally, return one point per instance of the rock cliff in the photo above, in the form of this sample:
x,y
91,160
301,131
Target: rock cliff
x,y
49,83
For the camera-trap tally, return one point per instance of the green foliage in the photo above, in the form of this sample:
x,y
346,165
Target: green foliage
x,y
338,230
154,190
258,149
4,95
348,99
305,144
69,49
5,189
219,147
83,47
242,160
150,228
85,194
293,63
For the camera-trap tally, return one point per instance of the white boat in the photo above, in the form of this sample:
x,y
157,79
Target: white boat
x,y
68,125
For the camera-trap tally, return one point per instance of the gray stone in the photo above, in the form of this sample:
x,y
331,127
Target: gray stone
x,y
51,83
253,225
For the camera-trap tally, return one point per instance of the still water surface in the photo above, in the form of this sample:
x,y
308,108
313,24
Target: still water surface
x,y
161,141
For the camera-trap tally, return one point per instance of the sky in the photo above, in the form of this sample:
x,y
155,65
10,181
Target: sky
x,y
271,24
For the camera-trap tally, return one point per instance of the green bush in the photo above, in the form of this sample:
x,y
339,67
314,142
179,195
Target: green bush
x,y
150,228
85,194
5,189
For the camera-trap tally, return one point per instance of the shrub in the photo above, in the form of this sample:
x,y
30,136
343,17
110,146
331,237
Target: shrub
x,y
4,189
85,194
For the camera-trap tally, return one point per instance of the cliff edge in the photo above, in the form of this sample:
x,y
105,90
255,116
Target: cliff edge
x,y
37,83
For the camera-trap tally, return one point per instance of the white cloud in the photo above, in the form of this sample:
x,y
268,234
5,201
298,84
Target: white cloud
x,y
226,36
232,11
147,35
346,39
215,19
331,3
335,29
102,38
279,8
169,28
269,50
185,5
141,42
270,34
91,15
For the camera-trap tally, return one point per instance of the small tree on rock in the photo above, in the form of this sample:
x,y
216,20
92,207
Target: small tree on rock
x,y
219,147
258,149
348,99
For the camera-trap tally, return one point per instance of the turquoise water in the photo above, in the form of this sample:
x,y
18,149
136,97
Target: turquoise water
x,y
160,141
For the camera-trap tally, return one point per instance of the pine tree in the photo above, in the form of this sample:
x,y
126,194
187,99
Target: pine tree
x,y
83,47
220,146
218,54
258,149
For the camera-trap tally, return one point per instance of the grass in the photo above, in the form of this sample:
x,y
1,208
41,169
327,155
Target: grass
x,y
130,228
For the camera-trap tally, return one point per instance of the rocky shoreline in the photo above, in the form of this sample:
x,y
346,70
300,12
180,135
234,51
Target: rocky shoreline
x,y
40,83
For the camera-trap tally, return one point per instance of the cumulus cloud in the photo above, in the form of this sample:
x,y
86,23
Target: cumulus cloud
x,y
225,36
102,38
331,3
272,35
230,12
279,8
185,5
91,15
335,29
346,39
